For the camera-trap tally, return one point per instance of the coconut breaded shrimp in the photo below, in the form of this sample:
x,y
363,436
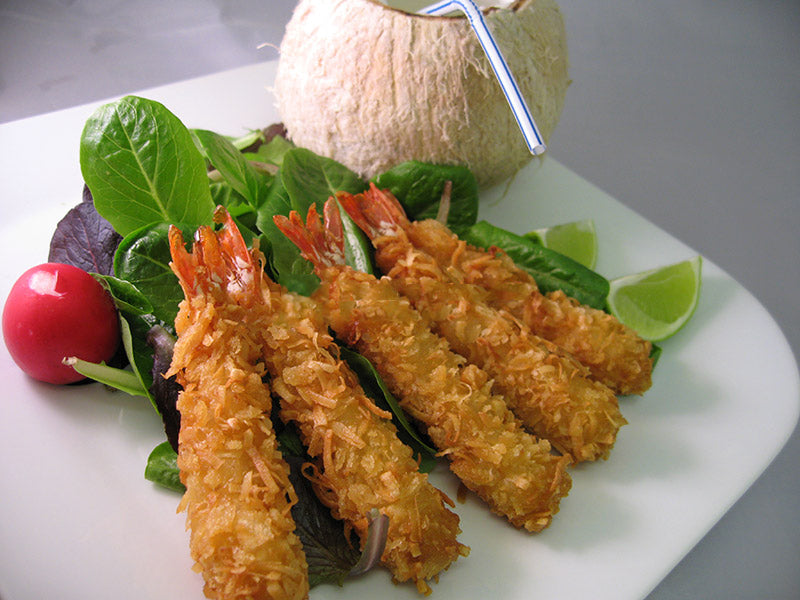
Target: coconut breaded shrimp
x,y
238,497
487,448
364,465
614,354
545,387
360,463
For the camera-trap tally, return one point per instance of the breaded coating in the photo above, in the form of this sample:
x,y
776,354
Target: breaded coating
x,y
546,388
614,354
238,497
487,447
361,464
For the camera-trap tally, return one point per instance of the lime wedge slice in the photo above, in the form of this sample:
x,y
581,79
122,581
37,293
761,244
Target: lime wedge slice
x,y
657,303
576,239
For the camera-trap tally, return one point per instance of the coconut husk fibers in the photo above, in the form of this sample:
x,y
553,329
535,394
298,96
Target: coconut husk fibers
x,y
371,86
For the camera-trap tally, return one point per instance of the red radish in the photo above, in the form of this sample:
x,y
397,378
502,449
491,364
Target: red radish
x,y
54,311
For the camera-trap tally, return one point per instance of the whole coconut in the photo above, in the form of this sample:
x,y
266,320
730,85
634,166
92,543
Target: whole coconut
x,y
371,86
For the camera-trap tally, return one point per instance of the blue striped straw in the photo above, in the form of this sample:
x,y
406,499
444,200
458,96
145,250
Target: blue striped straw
x,y
509,86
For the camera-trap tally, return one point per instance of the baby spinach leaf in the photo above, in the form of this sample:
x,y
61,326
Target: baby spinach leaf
x,y
126,296
302,180
419,187
358,251
143,259
162,468
147,344
271,152
312,179
129,381
286,265
551,270
142,167
224,195
245,179
309,178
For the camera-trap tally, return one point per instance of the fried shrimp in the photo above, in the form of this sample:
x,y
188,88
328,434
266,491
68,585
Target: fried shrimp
x,y
361,465
487,448
545,387
614,354
238,496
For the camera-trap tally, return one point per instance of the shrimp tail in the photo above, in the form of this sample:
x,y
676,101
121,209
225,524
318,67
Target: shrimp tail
x,y
241,267
197,270
231,242
376,212
320,243
183,264
216,257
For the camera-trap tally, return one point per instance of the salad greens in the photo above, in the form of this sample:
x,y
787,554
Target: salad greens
x,y
551,270
162,468
419,187
142,259
147,171
142,167
304,179
84,239
244,178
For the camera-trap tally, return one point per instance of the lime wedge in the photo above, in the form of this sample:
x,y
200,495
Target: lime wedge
x,y
576,239
657,303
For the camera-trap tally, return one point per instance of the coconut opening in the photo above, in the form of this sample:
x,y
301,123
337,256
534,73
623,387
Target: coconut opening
x,y
412,7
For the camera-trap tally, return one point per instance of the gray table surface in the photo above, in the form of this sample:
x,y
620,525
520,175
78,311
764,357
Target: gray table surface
x,y
686,111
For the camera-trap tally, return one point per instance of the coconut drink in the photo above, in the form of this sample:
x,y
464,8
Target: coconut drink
x,y
372,86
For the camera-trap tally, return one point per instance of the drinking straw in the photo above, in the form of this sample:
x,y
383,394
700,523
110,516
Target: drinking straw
x,y
507,83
